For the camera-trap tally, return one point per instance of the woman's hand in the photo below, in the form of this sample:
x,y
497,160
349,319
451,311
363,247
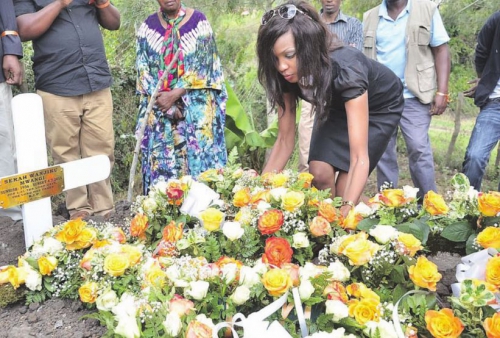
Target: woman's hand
x,y
165,100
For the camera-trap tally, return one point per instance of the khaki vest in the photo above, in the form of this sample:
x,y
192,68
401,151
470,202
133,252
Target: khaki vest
x,y
420,72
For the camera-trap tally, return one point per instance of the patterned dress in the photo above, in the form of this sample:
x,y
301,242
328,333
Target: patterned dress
x,y
195,144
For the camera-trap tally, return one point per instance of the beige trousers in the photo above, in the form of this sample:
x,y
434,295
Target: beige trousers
x,y
78,127
306,124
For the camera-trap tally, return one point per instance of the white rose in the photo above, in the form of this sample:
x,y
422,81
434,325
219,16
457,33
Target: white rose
x,y
306,289
248,277
383,234
161,186
277,193
260,267
51,246
172,324
300,240
126,307
236,188
233,230
240,295
204,320
263,206
186,180
33,278
410,192
334,247
229,272
363,209
149,204
127,327
107,300
339,272
336,308
173,273
385,329
308,271
197,290
472,194
320,334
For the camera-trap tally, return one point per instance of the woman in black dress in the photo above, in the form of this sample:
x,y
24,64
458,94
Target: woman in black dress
x,y
358,102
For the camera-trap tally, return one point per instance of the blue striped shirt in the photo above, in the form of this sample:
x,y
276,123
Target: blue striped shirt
x,y
348,29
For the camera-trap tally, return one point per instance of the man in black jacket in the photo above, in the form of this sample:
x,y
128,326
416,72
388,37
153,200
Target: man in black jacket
x,y
486,94
10,53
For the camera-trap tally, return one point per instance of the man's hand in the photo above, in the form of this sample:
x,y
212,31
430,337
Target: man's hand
x,y
472,90
12,70
439,104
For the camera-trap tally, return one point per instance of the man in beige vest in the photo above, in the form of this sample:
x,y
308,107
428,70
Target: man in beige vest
x,y
350,31
409,37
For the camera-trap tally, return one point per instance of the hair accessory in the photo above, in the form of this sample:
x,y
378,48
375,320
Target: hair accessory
x,y
286,12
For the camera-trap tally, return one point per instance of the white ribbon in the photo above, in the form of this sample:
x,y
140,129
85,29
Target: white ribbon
x,y
473,266
199,198
395,312
255,326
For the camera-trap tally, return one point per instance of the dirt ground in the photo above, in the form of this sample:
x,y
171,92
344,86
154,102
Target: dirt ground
x,y
62,318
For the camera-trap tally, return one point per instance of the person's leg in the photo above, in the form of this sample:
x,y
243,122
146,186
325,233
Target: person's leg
x,y
62,129
8,164
306,124
483,139
97,137
414,125
324,176
387,166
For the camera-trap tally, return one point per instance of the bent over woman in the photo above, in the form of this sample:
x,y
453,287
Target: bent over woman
x,y
358,102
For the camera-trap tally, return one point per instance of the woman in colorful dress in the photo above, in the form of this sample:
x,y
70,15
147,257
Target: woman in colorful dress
x,y
184,134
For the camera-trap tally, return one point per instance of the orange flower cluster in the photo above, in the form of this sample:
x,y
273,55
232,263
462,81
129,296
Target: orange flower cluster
x,y
270,221
139,225
277,251
489,203
443,324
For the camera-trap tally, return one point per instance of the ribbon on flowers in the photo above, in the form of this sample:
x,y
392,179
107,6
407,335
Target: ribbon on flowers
x,y
255,325
473,266
199,198
395,312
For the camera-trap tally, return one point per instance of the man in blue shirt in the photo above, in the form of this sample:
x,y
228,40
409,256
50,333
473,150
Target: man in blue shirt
x,y
409,37
486,94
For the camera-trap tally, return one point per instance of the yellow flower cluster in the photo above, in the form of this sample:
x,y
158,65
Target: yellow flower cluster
x,y
424,273
365,306
358,248
76,235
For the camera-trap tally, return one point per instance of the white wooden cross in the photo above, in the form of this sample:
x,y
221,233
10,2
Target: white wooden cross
x,y
29,129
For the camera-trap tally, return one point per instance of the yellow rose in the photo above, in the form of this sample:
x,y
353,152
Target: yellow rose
x,y
361,291
156,276
212,219
424,274
84,240
210,175
393,197
434,204
71,231
279,180
47,264
489,238
443,324
358,248
88,292
115,264
15,276
277,281
133,252
351,221
364,310
492,326
493,271
306,178
410,244
489,203
241,198
292,200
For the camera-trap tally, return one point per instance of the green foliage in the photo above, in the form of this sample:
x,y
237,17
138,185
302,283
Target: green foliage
x,y
9,295
458,232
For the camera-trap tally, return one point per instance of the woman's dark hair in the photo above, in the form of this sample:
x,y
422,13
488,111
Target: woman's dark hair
x,y
313,41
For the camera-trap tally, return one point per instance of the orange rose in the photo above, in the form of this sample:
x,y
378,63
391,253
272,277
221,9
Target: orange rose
x,y
270,221
138,226
360,290
393,197
352,220
319,226
493,271
293,271
489,238
443,324
180,305
197,329
434,204
277,251
336,291
329,212
118,235
241,197
224,260
492,326
172,232
175,193
489,203
306,178
424,274
262,195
